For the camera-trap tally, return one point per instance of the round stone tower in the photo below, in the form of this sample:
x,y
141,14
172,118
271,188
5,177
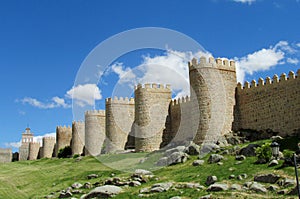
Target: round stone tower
x,y
151,111
119,120
78,138
48,147
94,131
63,137
213,87
34,148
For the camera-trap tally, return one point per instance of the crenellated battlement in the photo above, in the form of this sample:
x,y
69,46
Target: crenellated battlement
x,y
268,81
119,100
49,138
221,63
78,123
63,128
95,112
154,86
181,100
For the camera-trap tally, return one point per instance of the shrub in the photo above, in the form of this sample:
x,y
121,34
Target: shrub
x,y
76,156
65,152
288,153
264,152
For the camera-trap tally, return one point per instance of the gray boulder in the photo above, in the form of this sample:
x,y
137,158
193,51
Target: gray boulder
x,y
142,172
91,176
66,194
211,180
267,178
286,182
273,163
164,161
214,158
176,149
105,191
236,187
198,162
178,157
248,150
218,187
161,187
240,157
206,197
257,187
208,147
76,185
193,149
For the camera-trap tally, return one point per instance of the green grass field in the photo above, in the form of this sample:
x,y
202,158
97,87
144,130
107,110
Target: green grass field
x,y
36,179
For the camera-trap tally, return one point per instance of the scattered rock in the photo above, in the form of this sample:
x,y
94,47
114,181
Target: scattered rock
x,y
240,157
242,176
193,149
76,185
103,192
273,163
236,187
225,152
76,191
238,162
286,182
162,162
261,161
211,180
91,176
294,191
218,187
142,172
276,138
220,163
66,194
178,157
214,158
206,197
267,178
206,148
87,185
161,187
231,176
145,190
248,150
282,192
272,188
176,149
78,159
176,197
247,184
198,162
257,187
134,183
49,196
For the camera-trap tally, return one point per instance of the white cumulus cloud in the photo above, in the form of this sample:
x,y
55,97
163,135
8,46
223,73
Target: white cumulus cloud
x,y
55,102
170,68
245,1
261,60
84,94
292,60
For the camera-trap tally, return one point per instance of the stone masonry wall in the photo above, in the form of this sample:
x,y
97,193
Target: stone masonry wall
x,y
119,120
270,104
24,151
151,111
94,132
78,137
48,147
34,148
5,155
212,86
63,138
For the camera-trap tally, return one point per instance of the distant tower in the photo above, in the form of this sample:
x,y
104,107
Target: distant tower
x,y
151,111
213,86
27,137
63,138
94,132
78,139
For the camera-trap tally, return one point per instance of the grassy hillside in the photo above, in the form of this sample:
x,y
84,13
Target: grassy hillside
x,y
36,179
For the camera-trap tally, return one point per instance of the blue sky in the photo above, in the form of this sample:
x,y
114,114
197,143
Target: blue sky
x,y
43,44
